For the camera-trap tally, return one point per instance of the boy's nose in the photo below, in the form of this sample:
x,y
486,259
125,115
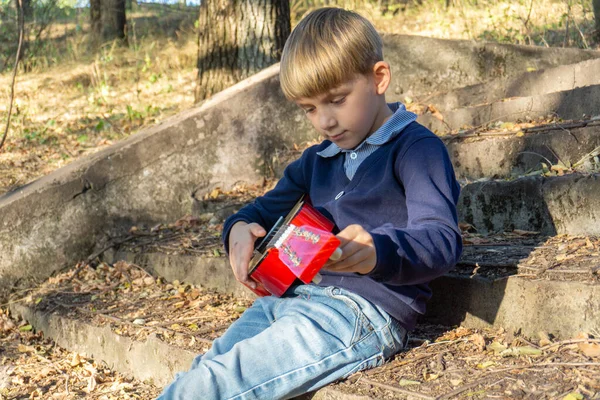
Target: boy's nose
x,y
327,121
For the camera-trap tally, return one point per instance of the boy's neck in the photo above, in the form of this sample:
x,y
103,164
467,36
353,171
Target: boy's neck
x,y
383,115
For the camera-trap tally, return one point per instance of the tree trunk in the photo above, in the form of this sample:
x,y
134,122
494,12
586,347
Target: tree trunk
x,y
597,14
113,19
27,10
237,39
95,22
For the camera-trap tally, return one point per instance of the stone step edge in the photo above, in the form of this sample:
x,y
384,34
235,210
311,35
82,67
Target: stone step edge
x,y
550,205
152,361
507,155
568,105
561,308
559,78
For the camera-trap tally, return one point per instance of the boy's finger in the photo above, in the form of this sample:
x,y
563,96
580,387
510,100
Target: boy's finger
x,y
337,254
257,230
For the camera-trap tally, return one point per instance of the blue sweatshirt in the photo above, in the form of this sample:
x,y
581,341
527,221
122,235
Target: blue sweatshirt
x,y
404,194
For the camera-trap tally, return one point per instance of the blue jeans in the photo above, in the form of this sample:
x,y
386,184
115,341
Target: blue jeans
x,y
283,347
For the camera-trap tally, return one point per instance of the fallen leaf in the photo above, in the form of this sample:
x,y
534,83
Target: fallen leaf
x,y
455,382
91,384
485,364
573,396
408,382
434,111
478,340
544,339
25,328
496,347
590,349
521,351
75,360
25,349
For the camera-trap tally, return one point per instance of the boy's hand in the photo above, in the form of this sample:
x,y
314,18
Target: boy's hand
x,y
241,246
358,251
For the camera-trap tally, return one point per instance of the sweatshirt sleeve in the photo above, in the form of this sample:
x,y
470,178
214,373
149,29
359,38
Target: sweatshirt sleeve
x,y
430,244
266,209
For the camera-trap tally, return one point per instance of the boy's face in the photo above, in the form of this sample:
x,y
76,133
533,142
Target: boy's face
x,y
349,113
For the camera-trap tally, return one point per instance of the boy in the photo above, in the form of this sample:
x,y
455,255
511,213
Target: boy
x,y
388,185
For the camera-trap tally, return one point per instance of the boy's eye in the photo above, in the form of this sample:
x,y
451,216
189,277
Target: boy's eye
x,y
339,100
308,110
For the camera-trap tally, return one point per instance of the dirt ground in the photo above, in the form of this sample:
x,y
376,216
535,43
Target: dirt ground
x,y
33,367
440,362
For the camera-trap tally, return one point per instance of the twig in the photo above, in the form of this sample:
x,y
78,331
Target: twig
x,y
14,75
571,341
558,364
394,388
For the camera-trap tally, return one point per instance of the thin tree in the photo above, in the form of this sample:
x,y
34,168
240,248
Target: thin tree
x,y
238,38
596,4
21,22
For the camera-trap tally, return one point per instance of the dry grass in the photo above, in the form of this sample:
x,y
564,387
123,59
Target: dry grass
x,y
72,102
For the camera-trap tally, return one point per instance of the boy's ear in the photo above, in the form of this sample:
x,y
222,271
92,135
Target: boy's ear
x,y
382,74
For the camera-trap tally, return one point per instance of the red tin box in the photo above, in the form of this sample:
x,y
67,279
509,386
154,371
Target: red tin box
x,y
297,247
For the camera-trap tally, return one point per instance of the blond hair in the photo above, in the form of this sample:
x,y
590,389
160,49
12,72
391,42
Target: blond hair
x,y
328,47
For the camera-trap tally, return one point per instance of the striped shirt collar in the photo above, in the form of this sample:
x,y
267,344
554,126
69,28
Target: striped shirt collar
x,y
386,132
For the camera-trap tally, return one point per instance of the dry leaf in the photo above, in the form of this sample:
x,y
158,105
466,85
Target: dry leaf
x,y
408,382
478,340
91,384
521,351
485,364
544,339
590,349
496,347
76,360
434,111
25,349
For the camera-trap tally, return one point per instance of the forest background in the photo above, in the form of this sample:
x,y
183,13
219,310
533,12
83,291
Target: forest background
x,y
91,74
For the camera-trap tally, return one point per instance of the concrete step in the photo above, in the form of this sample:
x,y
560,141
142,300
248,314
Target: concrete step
x,y
423,65
575,104
500,281
99,314
567,204
557,79
504,155
153,360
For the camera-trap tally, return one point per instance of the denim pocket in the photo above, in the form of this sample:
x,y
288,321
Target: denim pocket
x,y
362,326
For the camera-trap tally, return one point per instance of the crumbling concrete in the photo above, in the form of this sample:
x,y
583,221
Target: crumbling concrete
x,y
568,204
579,103
423,65
563,309
511,156
152,360
557,79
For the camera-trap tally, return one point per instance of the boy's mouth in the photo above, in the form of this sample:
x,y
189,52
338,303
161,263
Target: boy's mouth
x,y
337,137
